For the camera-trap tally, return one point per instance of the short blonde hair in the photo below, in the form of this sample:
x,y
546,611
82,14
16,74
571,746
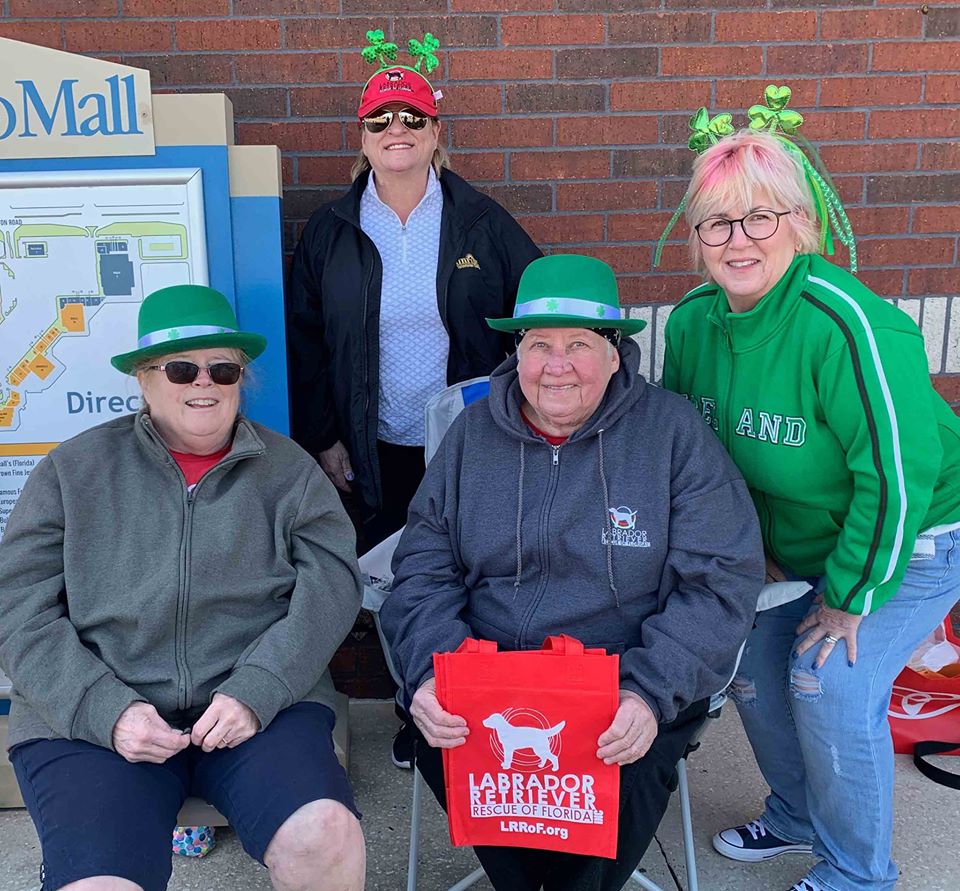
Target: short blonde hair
x,y
731,172
440,160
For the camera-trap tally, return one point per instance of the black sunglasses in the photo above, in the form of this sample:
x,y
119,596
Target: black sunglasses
x,y
412,120
182,372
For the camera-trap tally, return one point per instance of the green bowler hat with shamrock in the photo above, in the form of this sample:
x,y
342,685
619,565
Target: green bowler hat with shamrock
x,y
568,291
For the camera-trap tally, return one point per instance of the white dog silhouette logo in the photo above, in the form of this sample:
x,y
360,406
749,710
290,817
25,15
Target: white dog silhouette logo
x,y
509,739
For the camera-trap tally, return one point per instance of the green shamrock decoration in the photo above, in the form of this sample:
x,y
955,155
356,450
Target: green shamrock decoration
x,y
553,305
379,50
600,310
707,131
775,113
423,52
173,334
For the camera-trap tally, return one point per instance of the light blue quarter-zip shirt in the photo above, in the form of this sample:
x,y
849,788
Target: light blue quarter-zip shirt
x,y
413,342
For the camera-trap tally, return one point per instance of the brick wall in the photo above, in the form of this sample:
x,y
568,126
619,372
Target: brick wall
x,y
573,113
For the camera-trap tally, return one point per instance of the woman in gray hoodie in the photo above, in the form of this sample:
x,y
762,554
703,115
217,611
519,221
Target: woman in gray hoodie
x,y
578,499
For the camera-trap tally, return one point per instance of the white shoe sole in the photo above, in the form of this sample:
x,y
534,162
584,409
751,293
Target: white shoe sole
x,y
746,855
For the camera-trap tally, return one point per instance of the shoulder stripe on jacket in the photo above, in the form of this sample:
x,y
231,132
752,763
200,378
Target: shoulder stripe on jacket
x,y
877,366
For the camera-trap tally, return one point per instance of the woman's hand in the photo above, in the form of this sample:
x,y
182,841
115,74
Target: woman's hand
x,y
140,734
632,732
830,626
335,462
439,728
225,724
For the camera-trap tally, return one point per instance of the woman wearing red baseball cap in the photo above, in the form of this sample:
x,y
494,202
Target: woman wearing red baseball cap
x,y
389,290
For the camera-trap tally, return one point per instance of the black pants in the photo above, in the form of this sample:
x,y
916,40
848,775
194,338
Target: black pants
x,y
401,470
645,788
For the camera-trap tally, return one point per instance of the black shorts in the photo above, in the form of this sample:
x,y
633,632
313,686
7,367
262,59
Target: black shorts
x,y
98,814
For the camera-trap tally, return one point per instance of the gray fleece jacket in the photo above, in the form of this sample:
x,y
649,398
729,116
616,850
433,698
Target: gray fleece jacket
x,y
637,535
119,585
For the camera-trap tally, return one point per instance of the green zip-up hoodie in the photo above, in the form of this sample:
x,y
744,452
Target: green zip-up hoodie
x,y
822,397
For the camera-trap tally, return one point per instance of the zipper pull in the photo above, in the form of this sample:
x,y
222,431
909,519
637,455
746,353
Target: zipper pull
x,y
556,455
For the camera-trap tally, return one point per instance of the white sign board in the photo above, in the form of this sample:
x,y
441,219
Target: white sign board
x,y
78,253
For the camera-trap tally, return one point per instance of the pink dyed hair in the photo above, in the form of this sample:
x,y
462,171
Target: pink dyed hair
x,y
728,175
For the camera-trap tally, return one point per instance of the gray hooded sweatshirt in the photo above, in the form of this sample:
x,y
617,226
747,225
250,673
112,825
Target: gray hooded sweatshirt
x,y
119,585
636,535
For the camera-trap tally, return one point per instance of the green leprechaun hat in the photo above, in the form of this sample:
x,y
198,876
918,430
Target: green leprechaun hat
x,y
186,317
568,291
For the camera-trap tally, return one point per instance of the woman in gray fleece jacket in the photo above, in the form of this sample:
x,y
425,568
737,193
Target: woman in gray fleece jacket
x,y
578,499
173,585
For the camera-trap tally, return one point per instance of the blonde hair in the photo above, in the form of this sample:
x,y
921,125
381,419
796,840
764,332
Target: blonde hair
x,y
730,173
440,160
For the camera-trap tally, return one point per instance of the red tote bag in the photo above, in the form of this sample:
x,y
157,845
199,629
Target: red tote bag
x,y
924,717
528,775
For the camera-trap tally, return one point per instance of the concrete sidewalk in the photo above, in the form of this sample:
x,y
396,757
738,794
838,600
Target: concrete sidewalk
x,y
725,788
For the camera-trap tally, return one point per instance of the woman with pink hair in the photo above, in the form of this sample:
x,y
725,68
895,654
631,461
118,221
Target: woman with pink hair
x,y
819,390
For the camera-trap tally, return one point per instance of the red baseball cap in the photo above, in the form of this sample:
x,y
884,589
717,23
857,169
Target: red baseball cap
x,y
398,84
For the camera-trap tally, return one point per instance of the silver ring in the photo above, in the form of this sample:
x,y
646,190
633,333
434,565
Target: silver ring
x,y
830,639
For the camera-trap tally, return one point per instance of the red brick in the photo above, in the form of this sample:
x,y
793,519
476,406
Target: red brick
x,y
656,288
879,220
464,99
257,102
384,6
609,62
527,98
643,162
520,199
183,69
287,68
901,124
659,94
559,165
695,60
675,257
292,137
286,170
623,194
943,280
933,188
491,64
906,251
283,7
472,31
874,23
502,133
942,23
623,259
927,218
660,28
826,125
323,102
609,5
872,90
40,33
479,166
643,227
328,170
947,385
941,156
116,36
327,33
250,34
500,5
883,282
764,27
740,93
942,88
564,229
551,30
607,130
175,8
817,58
869,157
62,9
928,55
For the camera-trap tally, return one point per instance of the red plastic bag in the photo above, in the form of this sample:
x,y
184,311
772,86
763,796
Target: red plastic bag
x,y
528,775
924,714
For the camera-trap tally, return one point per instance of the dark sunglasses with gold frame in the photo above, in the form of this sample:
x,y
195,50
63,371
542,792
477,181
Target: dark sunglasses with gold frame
x,y
412,120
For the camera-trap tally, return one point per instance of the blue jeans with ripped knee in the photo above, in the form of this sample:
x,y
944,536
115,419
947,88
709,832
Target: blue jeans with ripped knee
x,y
820,736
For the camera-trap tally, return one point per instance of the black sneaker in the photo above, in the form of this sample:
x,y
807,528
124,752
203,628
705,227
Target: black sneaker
x,y
753,842
806,884
401,750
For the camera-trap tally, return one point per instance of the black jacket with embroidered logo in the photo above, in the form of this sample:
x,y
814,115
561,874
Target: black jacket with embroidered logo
x,y
333,314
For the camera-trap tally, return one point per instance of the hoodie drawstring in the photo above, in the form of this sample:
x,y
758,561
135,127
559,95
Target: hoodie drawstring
x,y
607,524
516,581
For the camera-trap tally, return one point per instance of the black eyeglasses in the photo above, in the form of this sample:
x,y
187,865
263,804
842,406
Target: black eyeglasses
x,y
412,120
757,226
182,372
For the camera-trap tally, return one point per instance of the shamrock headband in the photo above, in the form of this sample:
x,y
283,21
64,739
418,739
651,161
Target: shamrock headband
x,y
405,83
775,118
